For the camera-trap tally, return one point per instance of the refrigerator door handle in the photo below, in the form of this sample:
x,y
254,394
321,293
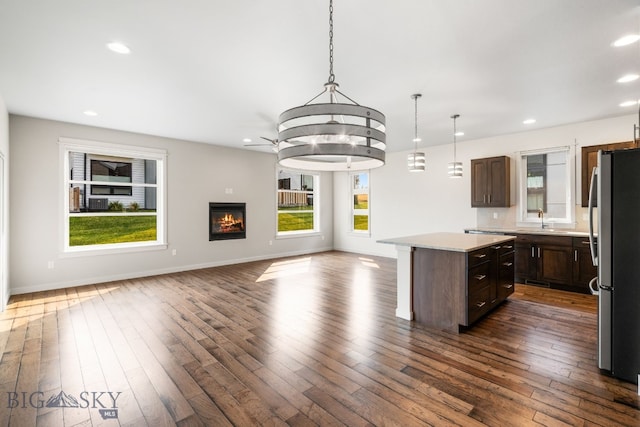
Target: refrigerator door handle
x,y
592,196
593,286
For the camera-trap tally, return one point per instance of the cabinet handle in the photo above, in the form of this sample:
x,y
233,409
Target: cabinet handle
x,y
484,198
481,304
507,264
532,252
480,276
480,255
496,247
508,286
489,198
575,255
538,252
508,246
585,242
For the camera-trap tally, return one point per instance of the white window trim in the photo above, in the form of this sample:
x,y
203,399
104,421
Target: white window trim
x,y
67,145
316,207
353,211
567,222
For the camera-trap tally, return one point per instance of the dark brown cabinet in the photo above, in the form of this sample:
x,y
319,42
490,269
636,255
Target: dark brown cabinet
x,y
544,259
490,182
561,262
453,289
583,268
590,160
490,279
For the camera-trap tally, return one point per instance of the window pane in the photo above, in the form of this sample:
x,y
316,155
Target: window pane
x,y
361,222
360,201
546,186
296,200
295,221
100,230
112,199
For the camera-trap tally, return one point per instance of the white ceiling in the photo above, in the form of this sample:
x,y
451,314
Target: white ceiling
x,y
220,71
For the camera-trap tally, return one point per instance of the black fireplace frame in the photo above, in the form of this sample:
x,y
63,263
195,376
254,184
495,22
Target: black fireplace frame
x,y
216,207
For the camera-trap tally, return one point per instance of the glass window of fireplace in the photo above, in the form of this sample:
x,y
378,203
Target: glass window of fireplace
x,y
113,197
546,187
359,203
297,202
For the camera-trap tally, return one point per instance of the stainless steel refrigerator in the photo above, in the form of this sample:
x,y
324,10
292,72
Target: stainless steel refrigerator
x,y
616,188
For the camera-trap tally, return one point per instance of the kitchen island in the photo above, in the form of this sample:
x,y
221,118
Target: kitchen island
x,y
449,280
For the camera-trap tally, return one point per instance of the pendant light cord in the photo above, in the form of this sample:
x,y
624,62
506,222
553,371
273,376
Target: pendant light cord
x,y
332,77
454,117
415,132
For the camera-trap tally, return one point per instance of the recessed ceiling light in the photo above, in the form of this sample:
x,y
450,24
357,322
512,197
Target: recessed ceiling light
x,y
246,140
529,121
90,113
118,48
628,78
459,134
628,103
625,40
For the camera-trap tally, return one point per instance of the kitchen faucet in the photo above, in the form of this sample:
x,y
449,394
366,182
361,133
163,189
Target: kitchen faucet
x,y
541,216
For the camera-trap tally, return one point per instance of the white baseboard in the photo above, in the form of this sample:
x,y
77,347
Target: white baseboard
x,y
156,272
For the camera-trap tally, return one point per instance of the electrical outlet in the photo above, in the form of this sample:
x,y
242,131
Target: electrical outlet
x,y
495,215
228,190
174,252
270,242
50,265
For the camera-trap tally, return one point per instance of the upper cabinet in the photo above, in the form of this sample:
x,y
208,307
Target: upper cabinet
x,y
590,160
490,182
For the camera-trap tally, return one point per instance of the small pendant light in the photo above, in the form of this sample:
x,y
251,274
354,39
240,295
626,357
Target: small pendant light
x,y
455,167
416,160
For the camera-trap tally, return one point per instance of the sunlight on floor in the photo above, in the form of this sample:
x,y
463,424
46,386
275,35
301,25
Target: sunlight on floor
x,y
21,312
286,269
368,262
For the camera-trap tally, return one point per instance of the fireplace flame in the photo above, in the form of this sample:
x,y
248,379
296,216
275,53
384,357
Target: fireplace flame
x,y
227,223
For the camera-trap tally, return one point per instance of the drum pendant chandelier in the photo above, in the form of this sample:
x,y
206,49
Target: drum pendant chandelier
x,y
331,136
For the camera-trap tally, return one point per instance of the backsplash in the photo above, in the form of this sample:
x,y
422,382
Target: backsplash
x,y
506,218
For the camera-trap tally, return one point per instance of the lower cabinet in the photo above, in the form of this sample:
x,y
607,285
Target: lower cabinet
x,y
453,289
560,262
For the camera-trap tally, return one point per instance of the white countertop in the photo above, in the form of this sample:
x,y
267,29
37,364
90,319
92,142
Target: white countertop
x,y
456,242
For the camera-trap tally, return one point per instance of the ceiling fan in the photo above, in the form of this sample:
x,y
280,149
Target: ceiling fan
x,y
273,143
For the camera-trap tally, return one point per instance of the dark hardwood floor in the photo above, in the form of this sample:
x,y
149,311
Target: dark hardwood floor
x,y
309,340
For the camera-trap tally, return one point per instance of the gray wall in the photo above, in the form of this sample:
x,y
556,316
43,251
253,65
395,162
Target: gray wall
x,y
196,173
4,205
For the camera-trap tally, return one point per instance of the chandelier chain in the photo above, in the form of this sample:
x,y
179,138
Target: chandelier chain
x,y
332,77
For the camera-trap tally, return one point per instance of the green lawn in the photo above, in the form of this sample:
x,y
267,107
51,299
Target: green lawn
x,y
361,222
100,230
295,221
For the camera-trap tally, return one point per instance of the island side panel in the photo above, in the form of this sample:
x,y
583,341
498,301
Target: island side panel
x,y
404,280
439,288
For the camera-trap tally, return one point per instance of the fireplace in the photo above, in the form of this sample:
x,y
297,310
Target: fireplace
x,y
227,221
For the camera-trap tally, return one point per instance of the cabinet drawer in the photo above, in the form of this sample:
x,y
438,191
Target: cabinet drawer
x,y
478,277
478,304
479,256
506,248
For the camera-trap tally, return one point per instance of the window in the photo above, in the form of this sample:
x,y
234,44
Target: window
x,y
546,186
110,170
297,202
360,202
113,196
